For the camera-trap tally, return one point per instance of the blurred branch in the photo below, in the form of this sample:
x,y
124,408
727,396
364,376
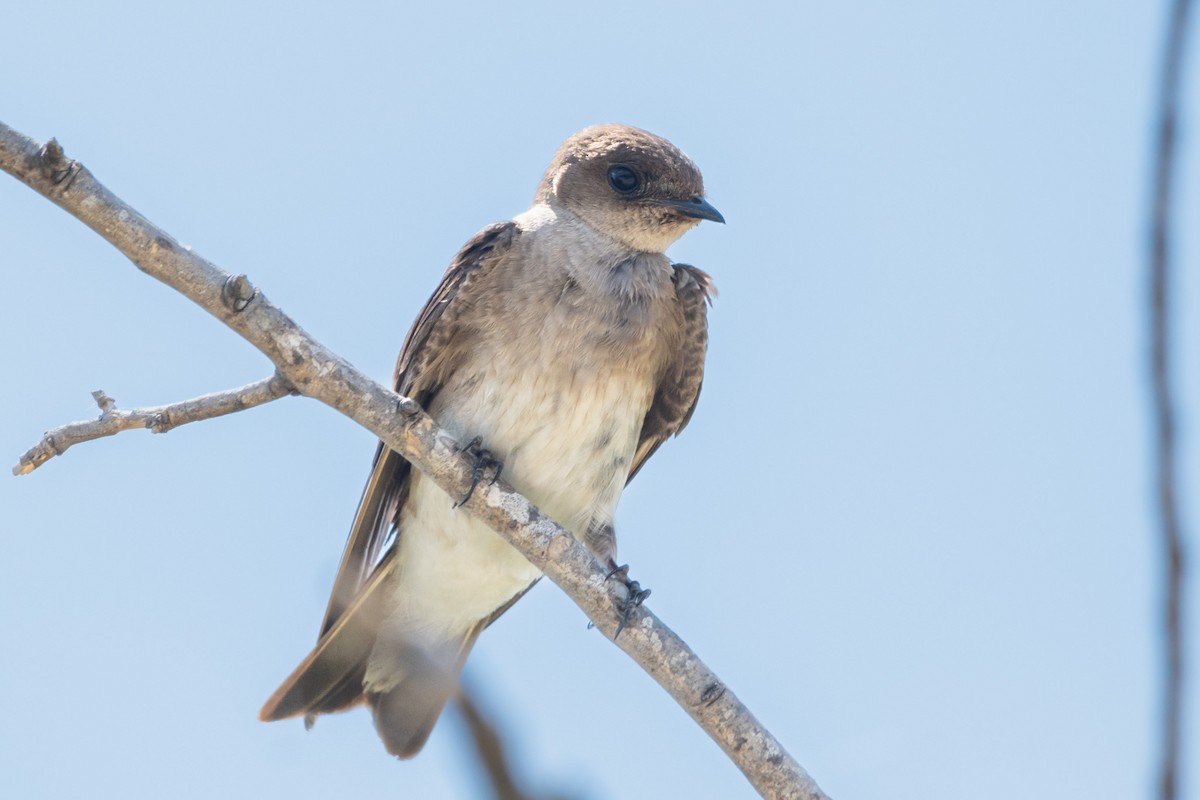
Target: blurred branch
x,y
159,419
490,750
314,371
1171,529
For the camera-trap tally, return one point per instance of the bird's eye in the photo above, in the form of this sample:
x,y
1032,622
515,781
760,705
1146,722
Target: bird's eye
x,y
623,179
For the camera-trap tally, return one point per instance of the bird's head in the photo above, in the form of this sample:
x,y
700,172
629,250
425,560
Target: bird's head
x,y
629,184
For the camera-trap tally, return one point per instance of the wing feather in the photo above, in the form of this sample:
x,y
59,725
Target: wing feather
x,y
331,676
677,392
387,485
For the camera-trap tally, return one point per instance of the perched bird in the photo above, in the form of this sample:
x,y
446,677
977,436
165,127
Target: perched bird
x,y
567,344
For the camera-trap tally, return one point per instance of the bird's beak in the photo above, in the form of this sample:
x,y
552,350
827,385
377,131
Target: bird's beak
x,y
697,208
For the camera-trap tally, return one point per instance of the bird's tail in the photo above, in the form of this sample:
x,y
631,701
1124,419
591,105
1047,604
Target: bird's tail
x,y
407,686
362,659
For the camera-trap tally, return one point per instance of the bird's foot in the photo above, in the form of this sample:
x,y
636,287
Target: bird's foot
x,y
637,595
483,462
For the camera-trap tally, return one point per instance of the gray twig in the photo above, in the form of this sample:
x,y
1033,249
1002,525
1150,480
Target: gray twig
x,y
159,419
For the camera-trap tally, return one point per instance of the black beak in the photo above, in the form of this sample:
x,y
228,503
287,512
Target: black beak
x,y
697,208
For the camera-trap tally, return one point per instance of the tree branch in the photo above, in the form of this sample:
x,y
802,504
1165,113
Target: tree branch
x,y
316,372
1171,535
491,753
159,419
489,749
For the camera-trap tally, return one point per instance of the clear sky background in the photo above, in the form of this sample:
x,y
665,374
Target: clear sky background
x,y
910,523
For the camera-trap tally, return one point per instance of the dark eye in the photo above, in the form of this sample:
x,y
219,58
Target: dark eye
x,y
623,179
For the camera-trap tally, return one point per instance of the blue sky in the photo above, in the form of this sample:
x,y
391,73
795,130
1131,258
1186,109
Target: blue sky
x,y
909,524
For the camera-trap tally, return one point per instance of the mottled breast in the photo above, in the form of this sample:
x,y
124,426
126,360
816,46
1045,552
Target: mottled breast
x,y
569,339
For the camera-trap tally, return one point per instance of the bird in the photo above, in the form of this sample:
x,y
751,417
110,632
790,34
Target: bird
x,y
566,347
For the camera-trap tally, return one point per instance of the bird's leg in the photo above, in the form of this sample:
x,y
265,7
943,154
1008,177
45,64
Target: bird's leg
x,y
637,595
483,461
601,539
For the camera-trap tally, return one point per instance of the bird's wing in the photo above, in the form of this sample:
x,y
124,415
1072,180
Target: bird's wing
x,y
677,392
331,676
416,377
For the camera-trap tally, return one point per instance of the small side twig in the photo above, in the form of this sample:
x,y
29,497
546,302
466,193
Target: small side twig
x,y
159,419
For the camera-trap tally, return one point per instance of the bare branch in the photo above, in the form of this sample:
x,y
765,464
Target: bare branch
x,y
159,419
317,372
1163,412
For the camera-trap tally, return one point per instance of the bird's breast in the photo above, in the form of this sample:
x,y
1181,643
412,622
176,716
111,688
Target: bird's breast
x,y
565,424
554,366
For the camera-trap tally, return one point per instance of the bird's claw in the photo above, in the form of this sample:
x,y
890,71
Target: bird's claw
x,y
621,572
483,461
637,595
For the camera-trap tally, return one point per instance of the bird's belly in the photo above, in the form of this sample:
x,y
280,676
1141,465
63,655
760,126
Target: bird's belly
x,y
453,569
566,444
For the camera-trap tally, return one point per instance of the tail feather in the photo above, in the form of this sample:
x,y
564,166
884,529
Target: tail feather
x,y
408,686
360,659
392,666
330,678
406,714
